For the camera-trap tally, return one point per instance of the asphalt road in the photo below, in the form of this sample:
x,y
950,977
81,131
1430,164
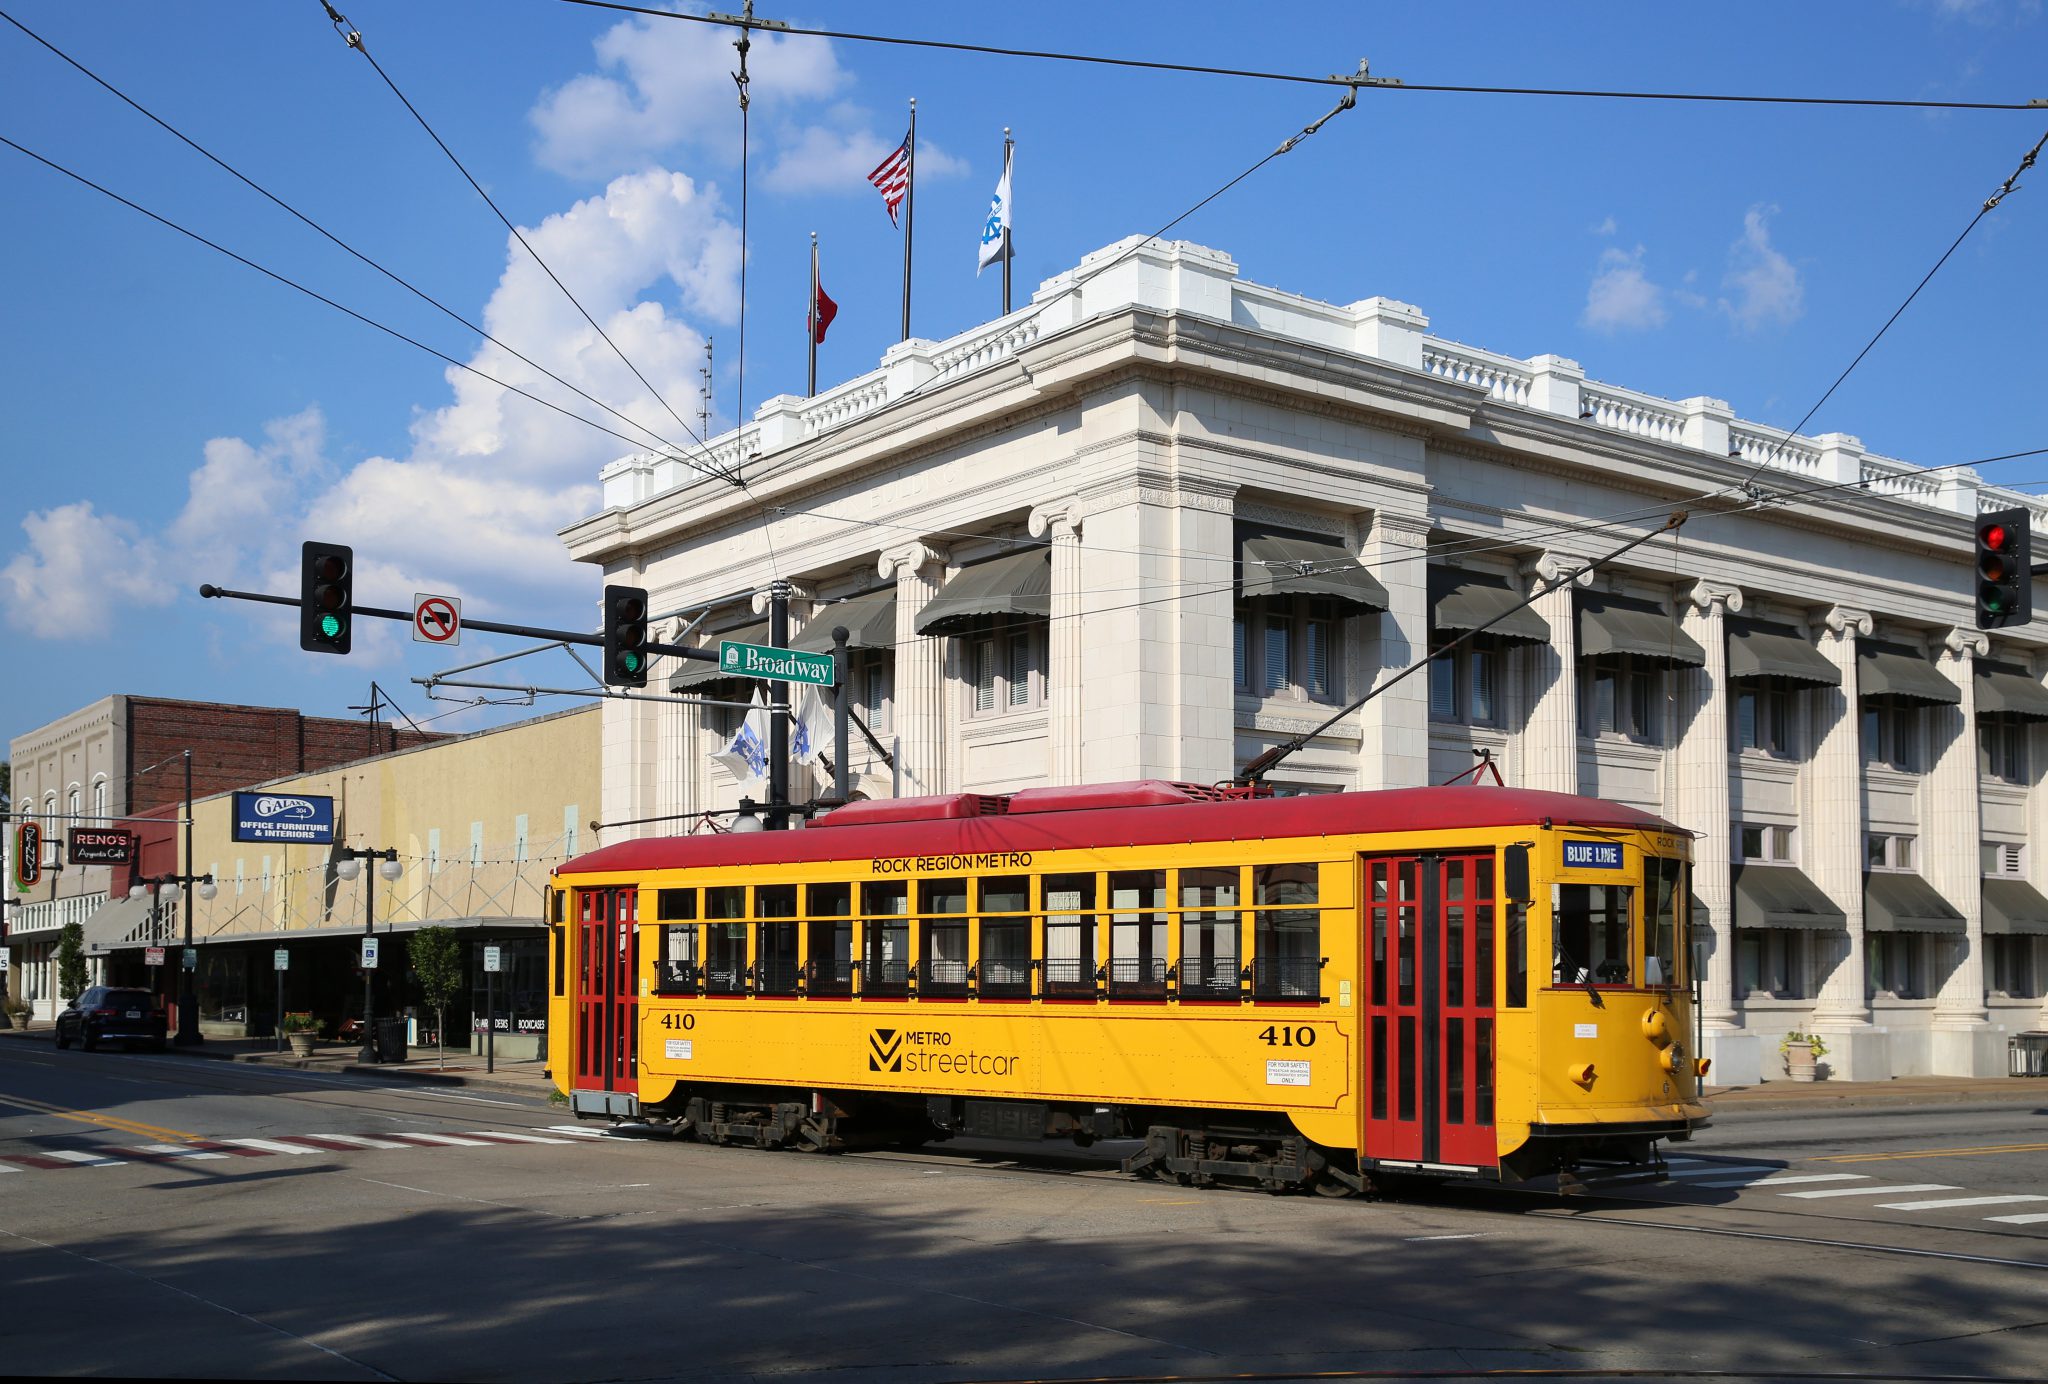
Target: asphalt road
x,y
173,1216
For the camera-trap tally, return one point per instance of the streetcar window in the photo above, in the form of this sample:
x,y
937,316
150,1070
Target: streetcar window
x,y
1069,935
561,954
942,903
1137,932
775,939
1516,945
1665,879
1006,936
675,903
1592,934
725,958
885,938
676,971
1208,933
829,907
1286,932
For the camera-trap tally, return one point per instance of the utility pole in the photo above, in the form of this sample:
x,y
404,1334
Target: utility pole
x,y
778,713
188,989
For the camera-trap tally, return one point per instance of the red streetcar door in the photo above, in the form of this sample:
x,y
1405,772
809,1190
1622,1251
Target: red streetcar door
x,y
1429,1009
607,979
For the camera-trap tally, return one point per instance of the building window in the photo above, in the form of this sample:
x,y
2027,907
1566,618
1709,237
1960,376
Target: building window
x,y
1622,695
2002,747
1883,851
1756,844
1891,735
1005,666
1465,683
2014,972
2005,859
1288,646
871,673
1771,962
1897,964
1766,717
99,800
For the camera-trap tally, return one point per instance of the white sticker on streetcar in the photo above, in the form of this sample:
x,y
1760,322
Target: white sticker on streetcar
x,y
678,1048
1585,1030
1286,1073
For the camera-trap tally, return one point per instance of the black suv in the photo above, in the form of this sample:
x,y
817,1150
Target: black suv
x,y
105,1012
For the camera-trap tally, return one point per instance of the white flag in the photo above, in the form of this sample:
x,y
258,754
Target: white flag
x,y
810,731
995,231
746,758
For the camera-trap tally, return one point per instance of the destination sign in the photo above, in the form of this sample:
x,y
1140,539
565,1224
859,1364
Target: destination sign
x,y
1592,855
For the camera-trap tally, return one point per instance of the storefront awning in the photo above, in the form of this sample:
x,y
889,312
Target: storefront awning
x,y
122,922
2001,687
1902,673
1782,896
699,676
1757,650
1020,584
1460,601
870,622
1274,564
2014,908
1610,624
1894,901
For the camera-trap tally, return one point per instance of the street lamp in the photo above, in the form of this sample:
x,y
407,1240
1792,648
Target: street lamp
x,y
149,886
347,866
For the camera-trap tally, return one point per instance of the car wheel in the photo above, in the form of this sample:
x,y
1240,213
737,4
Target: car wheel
x,y
62,1041
156,1045
86,1040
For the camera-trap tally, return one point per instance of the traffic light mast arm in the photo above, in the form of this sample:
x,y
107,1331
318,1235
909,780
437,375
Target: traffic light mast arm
x,y
1262,763
212,592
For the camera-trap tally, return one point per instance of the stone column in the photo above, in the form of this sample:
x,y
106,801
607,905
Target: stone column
x,y
1951,835
1834,857
919,570
1700,801
679,755
1060,522
2036,856
1393,748
1550,744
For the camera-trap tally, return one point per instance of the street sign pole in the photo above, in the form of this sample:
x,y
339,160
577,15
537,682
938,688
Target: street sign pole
x,y
490,1019
280,960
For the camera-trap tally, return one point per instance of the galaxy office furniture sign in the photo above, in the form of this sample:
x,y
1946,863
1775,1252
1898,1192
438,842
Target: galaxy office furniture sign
x,y
286,818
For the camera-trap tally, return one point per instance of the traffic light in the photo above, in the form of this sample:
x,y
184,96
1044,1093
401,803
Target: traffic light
x,y
2005,579
327,574
625,636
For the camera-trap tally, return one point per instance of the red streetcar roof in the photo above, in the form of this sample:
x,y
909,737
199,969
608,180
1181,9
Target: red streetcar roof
x,y
1459,808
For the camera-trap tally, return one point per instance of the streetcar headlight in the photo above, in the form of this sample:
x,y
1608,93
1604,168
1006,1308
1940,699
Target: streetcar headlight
x,y
1700,1066
1656,1027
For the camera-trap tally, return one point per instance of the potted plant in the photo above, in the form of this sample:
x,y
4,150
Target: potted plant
x,y
301,1030
1802,1052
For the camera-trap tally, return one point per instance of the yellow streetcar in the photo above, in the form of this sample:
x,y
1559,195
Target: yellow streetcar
x,y
1271,992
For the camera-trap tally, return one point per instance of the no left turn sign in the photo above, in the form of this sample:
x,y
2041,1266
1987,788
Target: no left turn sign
x,y
436,619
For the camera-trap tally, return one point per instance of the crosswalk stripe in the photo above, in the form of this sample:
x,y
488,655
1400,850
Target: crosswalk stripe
x,y
1786,1181
1724,1170
357,1140
180,1151
84,1159
226,1146
578,1130
1956,1201
36,1160
507,1137
262,1146
326,1143
1900,1187
2031,1218
451,1140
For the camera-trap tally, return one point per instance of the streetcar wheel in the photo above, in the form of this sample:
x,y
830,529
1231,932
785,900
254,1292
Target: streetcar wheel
x,y
1327,1186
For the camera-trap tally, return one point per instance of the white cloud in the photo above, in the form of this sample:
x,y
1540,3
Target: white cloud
x,y
79,568
1761,287
1606,227
1622,297
838,157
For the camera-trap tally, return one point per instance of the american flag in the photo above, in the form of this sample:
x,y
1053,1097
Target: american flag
x,y
892,177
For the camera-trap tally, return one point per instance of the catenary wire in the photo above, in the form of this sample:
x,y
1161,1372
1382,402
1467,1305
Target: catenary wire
x,y
354,39
1200,69
674,449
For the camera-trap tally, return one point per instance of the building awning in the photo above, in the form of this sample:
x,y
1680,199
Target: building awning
x,y
1020,584
870,622
696,675
1902,673
1757,650
1461,601
1782,896
1610,624
1272,564
1894,901
122,922
2001,687
2014,908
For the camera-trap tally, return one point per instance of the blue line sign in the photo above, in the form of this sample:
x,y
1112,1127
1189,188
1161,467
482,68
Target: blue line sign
x,y
1592,855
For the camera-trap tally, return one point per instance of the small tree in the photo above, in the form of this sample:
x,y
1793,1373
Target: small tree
x,y
437,964
71,975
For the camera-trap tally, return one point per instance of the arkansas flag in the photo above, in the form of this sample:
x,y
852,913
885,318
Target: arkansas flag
x,y
822,313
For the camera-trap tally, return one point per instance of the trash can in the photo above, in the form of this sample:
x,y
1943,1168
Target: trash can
x,y
391,1040
2028,1054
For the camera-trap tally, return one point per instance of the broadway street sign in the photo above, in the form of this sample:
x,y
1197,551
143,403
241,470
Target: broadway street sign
x,y
782,665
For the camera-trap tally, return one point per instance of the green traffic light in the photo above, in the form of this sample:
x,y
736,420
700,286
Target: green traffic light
x,y
630,662
330,626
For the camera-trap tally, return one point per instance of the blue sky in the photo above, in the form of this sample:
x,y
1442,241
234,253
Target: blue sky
x,y
172,417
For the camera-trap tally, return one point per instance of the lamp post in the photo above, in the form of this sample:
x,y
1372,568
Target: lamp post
x,y
148,885
6,1019
348,867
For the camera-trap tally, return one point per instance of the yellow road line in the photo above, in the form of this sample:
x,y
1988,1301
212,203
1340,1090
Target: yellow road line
x,y
114,1122
1932,1153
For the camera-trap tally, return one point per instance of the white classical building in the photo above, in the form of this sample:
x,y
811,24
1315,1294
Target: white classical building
x,y
1160,519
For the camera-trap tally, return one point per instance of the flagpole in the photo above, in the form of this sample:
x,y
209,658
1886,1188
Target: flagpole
x,y
811,320
909,212
1008,145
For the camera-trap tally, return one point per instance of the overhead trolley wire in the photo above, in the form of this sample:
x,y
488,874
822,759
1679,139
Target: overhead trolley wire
x,y
675,449
1299,78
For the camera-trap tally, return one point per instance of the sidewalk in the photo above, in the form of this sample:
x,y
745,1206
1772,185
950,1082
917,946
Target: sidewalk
x,y
1821,1096
462,1069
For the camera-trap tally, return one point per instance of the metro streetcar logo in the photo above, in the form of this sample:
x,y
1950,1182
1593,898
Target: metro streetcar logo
x,y
885,1050
928,1052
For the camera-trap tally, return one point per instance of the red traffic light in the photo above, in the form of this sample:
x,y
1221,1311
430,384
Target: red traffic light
x,y
1994,537
2004,568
